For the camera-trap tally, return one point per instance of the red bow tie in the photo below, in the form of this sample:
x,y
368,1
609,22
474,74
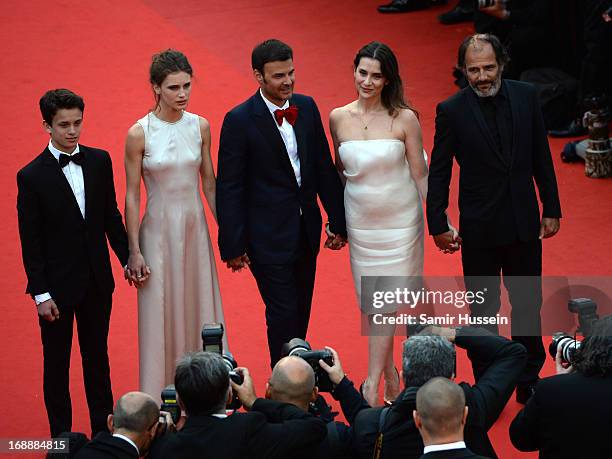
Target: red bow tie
x,y
290,114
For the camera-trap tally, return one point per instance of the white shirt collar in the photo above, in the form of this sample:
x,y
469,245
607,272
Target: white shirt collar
x,y
129,440
272,107
220,416
444,447
56,153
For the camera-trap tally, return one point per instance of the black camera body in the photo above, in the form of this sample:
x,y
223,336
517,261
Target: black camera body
x,y
301,348
587,314
586,309
169,403
212,341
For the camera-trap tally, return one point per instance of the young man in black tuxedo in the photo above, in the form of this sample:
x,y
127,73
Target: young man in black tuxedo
x,y
495,131
274,161
67,209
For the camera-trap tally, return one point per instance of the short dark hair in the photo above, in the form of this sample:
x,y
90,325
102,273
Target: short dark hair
x,y
201,382
595,354
55,99
501,55
135,416
270,51
426,357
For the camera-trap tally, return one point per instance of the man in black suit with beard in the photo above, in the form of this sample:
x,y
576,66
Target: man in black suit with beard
x,y
494,130
274,161
67,209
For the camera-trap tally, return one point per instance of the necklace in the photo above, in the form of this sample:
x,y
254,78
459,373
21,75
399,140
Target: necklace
x,y
365,123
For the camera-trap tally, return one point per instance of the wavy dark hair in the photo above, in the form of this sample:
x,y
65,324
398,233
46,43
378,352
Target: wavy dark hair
x,y
165,63
393,93
594,358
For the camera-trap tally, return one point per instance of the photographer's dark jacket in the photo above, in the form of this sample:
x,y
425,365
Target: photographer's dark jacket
x,y
486,400
244,435
105,446
569,416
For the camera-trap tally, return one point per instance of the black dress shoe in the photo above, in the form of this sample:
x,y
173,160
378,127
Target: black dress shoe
x,y
524,392
405,6
456,15
574,129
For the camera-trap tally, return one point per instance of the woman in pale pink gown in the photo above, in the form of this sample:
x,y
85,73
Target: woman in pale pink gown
x,y
171,255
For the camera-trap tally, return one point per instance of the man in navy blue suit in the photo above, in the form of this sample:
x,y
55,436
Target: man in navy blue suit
x,y
274,161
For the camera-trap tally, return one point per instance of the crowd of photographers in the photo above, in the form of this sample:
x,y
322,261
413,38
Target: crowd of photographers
x,y
567,417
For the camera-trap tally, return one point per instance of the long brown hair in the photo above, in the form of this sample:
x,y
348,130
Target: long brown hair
x,y
392,95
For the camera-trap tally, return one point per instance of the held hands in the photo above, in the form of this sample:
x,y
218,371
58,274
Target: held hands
x,y
333,241
245,391
335,372
238,263
137,271
48,310
448,242
549,227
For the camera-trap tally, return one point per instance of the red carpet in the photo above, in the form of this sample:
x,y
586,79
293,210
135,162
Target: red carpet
x,y
102,50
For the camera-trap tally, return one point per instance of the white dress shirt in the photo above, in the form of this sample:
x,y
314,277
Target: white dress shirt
x,y
288,135
74,174
123,437
444,447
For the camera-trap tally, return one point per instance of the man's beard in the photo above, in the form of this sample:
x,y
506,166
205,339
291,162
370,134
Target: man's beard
x,y
492,91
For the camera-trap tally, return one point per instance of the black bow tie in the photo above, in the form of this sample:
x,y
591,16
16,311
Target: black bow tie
x,y
76,158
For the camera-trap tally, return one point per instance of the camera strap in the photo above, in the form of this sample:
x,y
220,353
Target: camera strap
x,y
378,444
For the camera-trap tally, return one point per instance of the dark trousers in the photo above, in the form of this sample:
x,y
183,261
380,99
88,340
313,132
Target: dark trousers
x,y
520,263
286,290
92,317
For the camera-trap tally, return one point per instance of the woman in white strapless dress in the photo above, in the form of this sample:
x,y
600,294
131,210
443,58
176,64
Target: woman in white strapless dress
x,y
379,153
171,255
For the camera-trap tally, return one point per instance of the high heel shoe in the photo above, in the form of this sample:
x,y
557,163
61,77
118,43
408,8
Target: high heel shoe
x,y
390,398
363,395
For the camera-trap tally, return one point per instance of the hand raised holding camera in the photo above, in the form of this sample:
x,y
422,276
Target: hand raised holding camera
x,y
335,371
246,390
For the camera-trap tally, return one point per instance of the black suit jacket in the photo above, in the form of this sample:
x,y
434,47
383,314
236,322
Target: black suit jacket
x,y
244,435
486,400
568,416
497,198
258,198
61,249
105,446
462,453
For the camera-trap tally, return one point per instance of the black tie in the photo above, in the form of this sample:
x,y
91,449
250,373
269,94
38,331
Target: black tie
x,y
76,158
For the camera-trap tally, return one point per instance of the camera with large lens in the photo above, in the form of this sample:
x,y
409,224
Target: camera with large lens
x,y
568,345
212,341
302,349
169,403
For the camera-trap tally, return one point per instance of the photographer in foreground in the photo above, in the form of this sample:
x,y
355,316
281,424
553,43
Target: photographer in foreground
x,y
428,356
440,416
203,389
570,414
134,424
293,381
